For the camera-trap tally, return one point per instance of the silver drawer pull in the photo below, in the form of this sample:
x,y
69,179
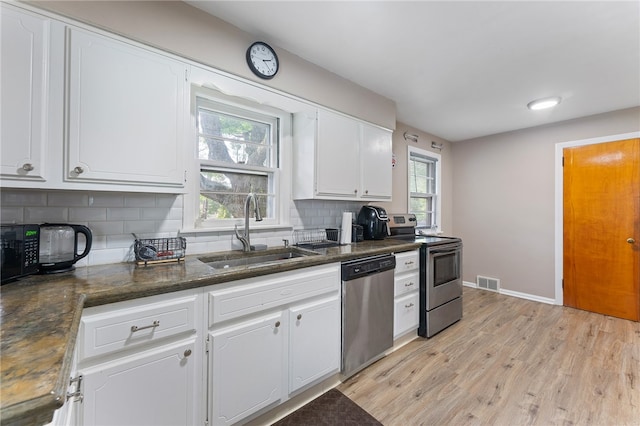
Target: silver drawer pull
x,y
135,328
277,324
409,284
27,167
410,305
299,317
78,170
187,353
409,263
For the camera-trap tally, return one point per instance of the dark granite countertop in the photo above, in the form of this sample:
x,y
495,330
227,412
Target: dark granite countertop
x,y
40,316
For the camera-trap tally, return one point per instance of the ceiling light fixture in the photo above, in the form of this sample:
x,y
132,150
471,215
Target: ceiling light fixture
x,y
544,103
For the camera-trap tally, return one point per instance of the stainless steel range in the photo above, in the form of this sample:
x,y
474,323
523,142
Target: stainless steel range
x,y
440,275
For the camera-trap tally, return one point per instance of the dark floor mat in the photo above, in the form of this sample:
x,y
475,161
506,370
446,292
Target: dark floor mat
x,y
332,408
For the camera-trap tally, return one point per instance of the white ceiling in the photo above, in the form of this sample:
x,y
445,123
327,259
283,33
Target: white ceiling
x,y
460,70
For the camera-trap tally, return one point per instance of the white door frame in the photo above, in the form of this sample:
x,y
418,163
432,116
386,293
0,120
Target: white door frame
x,y
559,210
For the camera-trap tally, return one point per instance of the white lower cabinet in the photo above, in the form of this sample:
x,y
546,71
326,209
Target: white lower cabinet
x,y
406,312
271,337
152,388
246,362
314,351
140,362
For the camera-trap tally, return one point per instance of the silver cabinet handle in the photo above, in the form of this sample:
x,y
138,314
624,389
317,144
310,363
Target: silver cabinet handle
x,y
78,170
410,305
366,191
277,324
631,240
299,317
409,284
187,353
27,167
135,328
408,263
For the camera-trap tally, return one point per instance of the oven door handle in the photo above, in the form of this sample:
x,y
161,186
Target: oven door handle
x,y
444,251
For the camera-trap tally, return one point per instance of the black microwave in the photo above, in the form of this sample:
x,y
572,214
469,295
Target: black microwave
x,y
20,251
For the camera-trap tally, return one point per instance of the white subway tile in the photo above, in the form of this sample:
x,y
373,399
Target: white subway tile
x,y
156,214
120,241
140,227
102,257
170,226
169,200
123,213
139,200
87,214
106,199
23,198
11,214
67,199
98,242
106,228
46,214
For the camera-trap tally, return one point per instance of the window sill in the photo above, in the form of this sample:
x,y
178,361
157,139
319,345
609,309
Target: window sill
x,y
231,229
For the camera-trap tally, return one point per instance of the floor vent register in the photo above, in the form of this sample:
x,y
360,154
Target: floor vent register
x,y
488,283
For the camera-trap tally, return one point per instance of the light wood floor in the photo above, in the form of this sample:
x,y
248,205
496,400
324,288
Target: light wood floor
x,y
509,362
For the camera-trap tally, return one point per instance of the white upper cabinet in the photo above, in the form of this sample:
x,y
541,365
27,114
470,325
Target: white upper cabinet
x,y
90,111
340,158
25,56
125,113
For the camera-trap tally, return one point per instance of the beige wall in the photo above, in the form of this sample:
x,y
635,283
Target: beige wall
x,y
400,195
503,199
181,29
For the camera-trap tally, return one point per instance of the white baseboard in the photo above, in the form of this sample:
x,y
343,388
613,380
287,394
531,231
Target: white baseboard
x,y
512,293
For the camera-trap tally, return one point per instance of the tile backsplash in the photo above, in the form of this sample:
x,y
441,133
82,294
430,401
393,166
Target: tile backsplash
x,y
114,216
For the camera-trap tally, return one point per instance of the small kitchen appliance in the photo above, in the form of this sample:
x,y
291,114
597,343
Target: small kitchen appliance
x,y
59,246
374,221
20,250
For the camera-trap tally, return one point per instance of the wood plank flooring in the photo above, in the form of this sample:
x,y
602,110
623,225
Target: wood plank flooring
x,y
509,361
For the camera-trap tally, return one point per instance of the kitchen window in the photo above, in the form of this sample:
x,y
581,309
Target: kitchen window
x,y
238,153
424,188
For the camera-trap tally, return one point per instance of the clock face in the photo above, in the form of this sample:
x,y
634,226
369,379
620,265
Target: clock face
x,y
262,60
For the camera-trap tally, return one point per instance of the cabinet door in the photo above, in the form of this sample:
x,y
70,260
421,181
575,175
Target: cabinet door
x,y
314,350
375,163
125,108
151,388
337,158
246,367
25,48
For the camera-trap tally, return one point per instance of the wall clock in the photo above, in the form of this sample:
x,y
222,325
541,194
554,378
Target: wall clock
x,y
262,60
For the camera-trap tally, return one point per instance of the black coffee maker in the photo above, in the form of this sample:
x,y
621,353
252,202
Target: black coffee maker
x,y
374,222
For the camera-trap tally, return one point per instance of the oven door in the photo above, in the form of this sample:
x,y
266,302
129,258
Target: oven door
x,y
443,279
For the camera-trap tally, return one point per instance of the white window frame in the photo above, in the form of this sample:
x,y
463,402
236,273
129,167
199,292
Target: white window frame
x,y
437,223
282,173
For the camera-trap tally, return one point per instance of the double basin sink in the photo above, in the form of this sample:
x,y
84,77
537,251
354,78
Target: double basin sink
x,y
256,259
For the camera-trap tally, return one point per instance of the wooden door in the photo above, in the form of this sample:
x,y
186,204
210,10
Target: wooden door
x,y
602,229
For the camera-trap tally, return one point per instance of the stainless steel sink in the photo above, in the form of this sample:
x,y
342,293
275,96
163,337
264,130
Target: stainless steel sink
x,y
256,258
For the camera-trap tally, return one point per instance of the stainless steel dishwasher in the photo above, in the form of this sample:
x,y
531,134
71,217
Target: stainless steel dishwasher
x,y
367,311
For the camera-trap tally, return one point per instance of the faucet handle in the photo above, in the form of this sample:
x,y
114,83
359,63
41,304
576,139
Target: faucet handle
x,y
286,242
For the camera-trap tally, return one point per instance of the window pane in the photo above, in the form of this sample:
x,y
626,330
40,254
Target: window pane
x,y
423,209
223,193
231,139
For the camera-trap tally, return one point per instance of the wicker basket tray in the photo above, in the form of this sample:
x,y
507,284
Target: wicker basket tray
x,y
158,250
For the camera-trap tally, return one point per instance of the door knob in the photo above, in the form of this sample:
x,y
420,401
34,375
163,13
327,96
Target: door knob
x,y
631,240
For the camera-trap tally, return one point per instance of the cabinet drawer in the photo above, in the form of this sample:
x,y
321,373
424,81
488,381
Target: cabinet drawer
x,y
406,282
407,261
256,294
135,325
406,313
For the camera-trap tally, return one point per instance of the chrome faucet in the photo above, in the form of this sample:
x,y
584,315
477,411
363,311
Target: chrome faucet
x,y
244,238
